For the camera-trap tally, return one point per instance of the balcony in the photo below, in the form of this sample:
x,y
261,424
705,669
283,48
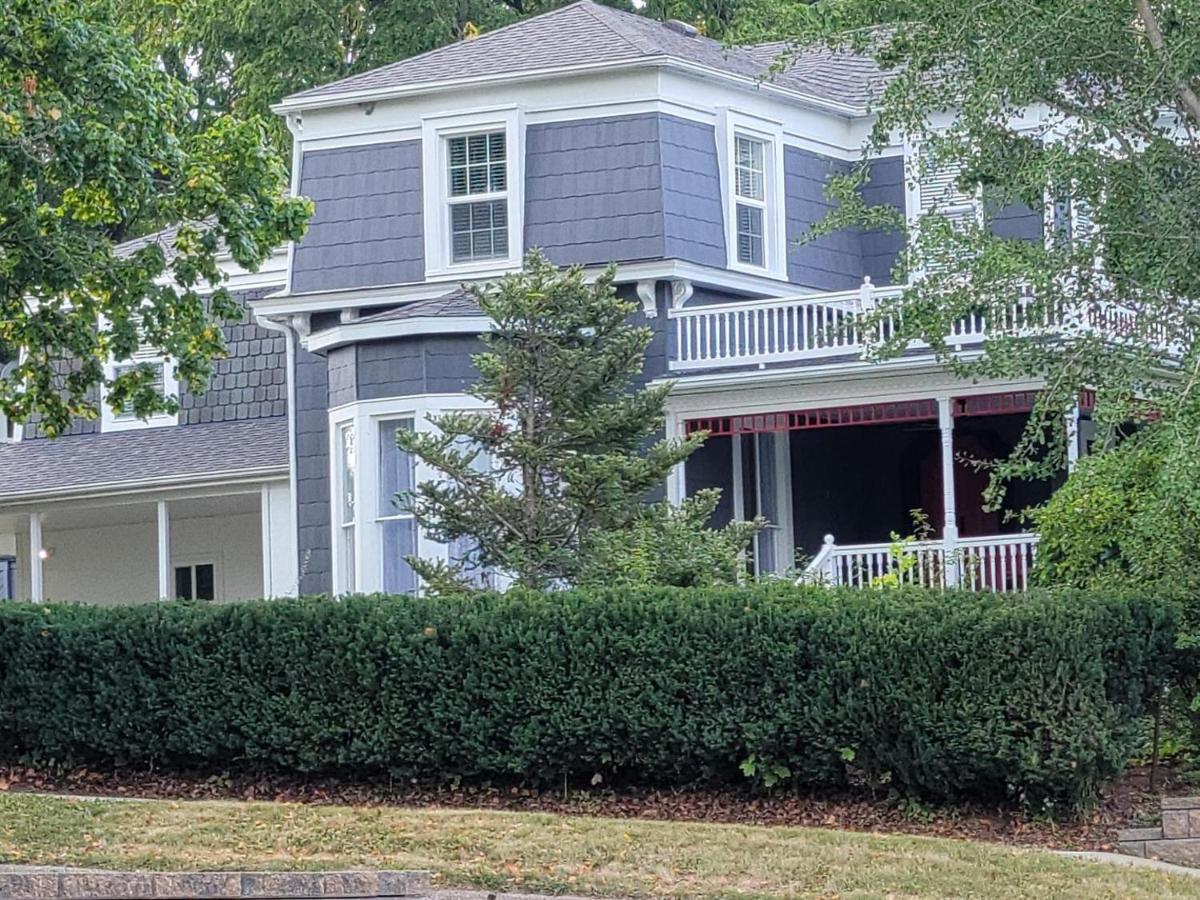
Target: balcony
x,y
831,327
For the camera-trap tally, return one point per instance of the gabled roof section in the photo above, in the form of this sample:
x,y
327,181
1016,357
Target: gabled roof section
x,y
590,34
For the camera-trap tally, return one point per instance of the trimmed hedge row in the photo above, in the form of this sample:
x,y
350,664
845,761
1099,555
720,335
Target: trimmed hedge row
x,y
1030,699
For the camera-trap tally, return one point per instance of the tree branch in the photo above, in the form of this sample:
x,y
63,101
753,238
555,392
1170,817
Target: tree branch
x,y
1154,34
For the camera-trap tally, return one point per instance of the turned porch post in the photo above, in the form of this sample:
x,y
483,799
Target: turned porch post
x,y
950,518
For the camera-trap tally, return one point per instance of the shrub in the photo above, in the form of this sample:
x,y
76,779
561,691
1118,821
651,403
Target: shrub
x,y
947,696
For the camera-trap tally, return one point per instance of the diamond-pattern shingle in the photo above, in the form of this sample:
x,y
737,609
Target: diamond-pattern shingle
x,y
585,33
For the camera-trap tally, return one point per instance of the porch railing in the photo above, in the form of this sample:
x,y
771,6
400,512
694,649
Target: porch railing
x,y
830,325
993,563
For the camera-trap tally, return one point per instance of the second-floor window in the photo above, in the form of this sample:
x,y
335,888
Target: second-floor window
x,y
478,196
751,153
750,177
472,203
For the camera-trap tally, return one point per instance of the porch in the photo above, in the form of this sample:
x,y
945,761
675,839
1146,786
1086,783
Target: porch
x,y
203,544
836,482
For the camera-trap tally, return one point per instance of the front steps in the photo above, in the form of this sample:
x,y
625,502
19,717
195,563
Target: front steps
x,y
1177,840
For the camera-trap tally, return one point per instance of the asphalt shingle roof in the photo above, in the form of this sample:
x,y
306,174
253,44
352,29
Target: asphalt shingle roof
x,y
587,33
30,468
456,303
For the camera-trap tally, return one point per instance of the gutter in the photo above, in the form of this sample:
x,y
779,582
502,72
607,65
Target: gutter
x,y
112,488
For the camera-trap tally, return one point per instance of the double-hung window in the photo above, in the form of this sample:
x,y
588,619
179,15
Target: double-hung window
x,y
397,529
472,202
477,194
750,199
751,155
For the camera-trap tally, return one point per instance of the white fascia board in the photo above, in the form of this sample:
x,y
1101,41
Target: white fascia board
x,y
353,333
294,104
282,304
223,480
791,391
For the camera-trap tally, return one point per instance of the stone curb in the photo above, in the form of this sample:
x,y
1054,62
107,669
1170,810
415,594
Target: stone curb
x,y
77,884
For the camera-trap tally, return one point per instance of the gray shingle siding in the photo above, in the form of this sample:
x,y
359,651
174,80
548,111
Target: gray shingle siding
x,y
693,215
250,382
401,367
1016,221
342,373
832,262
885,188
593,190
312,472
367,227
837,261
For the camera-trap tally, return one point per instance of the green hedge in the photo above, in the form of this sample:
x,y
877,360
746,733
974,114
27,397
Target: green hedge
x,y
1030,699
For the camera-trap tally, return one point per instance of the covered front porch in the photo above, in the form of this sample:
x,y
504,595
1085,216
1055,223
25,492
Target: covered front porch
x,y
220,543
836,482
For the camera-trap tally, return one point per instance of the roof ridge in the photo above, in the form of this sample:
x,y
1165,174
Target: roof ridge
x,y
485,36
593,9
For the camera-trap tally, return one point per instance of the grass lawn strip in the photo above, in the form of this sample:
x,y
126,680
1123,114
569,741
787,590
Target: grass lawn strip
x,y
542,852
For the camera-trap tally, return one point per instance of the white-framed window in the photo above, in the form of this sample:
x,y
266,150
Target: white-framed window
x,y
373,534
473,164
935,188
196,580
346,507
165,382
751,162
397,528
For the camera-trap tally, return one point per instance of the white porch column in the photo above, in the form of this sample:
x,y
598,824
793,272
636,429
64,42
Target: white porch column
x,y
37,590
1072,438
677,479
950,521
165,588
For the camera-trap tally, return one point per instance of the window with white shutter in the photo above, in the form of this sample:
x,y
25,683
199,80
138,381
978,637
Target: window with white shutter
x,y
164,382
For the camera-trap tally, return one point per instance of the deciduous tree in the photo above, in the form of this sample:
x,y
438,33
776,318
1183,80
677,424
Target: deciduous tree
x,y
94,139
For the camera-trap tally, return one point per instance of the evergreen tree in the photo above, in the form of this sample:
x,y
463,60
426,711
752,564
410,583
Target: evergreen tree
x,y
563,450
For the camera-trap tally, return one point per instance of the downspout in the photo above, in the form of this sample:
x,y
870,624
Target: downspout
x,y
291,337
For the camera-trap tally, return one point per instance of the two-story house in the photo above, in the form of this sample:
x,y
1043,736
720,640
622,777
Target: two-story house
x,y
600,137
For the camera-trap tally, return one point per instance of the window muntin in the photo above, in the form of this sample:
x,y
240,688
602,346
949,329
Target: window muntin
x,y
750,199
347,504
397,528
477,195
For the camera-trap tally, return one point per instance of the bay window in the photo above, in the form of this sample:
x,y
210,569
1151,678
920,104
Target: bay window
x,y
374,533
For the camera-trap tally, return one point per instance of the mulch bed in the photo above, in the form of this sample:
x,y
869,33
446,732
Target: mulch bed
x,y
1128,802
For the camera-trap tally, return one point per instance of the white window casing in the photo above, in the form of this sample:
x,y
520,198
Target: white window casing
x,y
369,557
750,157
165,382
473,166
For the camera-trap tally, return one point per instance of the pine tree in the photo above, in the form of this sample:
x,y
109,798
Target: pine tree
x,y
562,449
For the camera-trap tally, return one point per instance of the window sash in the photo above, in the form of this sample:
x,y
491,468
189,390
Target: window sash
x,y
750,169
751,206
477,196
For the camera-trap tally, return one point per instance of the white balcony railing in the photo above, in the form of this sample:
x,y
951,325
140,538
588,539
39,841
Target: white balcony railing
x,y
993,563
829,326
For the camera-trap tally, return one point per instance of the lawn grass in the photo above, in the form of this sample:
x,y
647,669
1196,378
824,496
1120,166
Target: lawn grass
x,y
550,853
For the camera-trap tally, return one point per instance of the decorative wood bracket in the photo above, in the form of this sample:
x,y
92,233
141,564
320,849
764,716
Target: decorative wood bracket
x,y
647,291
681,292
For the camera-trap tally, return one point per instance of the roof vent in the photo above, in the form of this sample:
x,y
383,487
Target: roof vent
x,y
683,28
